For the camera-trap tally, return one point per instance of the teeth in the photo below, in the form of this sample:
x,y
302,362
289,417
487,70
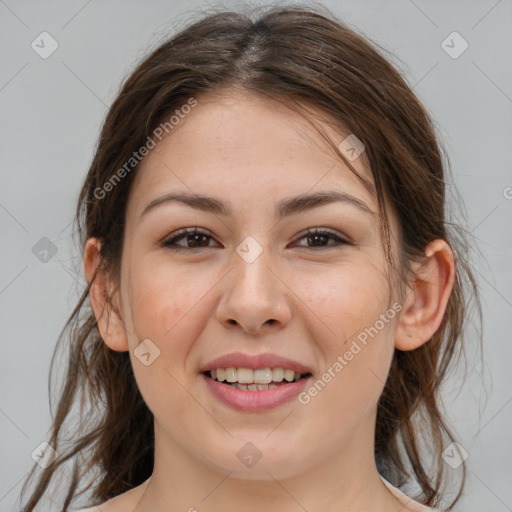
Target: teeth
x,y
263,376
231,374
253,387
256,379
245,375
277,374
289,374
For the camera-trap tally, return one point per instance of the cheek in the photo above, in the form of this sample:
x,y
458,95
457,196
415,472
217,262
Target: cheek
x,y
357,370
347,301
167,318
160,294
358,347
168,306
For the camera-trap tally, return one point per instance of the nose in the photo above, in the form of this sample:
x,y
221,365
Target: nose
x,y
255,296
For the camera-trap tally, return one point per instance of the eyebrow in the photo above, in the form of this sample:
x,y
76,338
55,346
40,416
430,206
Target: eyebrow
x,y
284,208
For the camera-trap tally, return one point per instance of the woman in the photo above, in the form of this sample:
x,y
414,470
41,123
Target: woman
x,y
275,294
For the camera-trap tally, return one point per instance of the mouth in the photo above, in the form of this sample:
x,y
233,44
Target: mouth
x,y
254,383
261,379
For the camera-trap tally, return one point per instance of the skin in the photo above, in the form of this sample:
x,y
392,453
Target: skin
x,y
198,304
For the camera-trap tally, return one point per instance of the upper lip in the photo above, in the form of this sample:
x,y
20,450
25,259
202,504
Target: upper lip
x,y
254,362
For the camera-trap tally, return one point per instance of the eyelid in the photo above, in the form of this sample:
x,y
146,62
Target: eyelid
x,y
186,231
339,238
325,231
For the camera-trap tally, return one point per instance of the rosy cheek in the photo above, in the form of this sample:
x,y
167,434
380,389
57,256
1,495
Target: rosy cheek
x,y
153,312
164,319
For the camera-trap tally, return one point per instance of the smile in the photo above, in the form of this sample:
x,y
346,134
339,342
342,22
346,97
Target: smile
x,y
248,379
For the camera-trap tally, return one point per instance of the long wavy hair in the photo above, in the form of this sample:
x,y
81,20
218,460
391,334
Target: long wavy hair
x,y
308,59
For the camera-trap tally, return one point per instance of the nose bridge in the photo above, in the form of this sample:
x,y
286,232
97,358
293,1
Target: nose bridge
x,y
254,295
251,268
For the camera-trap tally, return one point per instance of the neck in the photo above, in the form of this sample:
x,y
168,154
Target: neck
x,y
347,480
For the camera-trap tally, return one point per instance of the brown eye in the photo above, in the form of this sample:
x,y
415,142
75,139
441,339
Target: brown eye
x,y
320,237
198,239
194,239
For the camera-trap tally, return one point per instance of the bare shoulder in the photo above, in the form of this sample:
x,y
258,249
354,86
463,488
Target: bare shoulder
x,y
117,504
113,505
122,503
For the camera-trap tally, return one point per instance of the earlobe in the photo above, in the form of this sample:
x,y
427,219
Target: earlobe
x,y
427,297
103,298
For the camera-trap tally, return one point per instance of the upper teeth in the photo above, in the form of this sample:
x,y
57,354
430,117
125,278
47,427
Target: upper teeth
x,y
249,376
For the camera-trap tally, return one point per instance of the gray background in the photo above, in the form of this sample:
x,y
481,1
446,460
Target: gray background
x,y
52,110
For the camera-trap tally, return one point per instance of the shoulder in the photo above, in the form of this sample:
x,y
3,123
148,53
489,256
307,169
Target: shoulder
x,y
409,505
121,503
108,506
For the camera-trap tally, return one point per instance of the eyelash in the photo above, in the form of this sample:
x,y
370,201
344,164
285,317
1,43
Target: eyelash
x,y
170,243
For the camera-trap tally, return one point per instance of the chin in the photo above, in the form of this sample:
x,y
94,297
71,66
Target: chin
x,y
257,461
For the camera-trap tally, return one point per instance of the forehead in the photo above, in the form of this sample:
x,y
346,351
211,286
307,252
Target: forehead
x,y
235,144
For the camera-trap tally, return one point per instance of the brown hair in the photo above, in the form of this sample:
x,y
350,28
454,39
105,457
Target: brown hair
x,y
301,56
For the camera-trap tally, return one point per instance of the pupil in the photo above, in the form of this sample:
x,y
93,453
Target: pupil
x,y
194,238
316,237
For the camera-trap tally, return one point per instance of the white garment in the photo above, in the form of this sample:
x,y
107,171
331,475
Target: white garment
x,y
405,500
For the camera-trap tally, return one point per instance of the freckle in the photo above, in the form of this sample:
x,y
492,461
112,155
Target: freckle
x,y
168,313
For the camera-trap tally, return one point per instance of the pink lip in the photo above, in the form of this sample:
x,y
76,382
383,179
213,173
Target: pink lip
x,y
260,400
254,401
241,360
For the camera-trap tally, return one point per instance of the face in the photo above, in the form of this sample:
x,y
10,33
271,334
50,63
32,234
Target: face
x,y
255,283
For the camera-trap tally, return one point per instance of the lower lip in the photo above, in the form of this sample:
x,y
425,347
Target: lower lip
x,y
254,401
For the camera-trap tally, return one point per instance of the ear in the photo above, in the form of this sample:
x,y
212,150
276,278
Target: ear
x,y
427,296
104,298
